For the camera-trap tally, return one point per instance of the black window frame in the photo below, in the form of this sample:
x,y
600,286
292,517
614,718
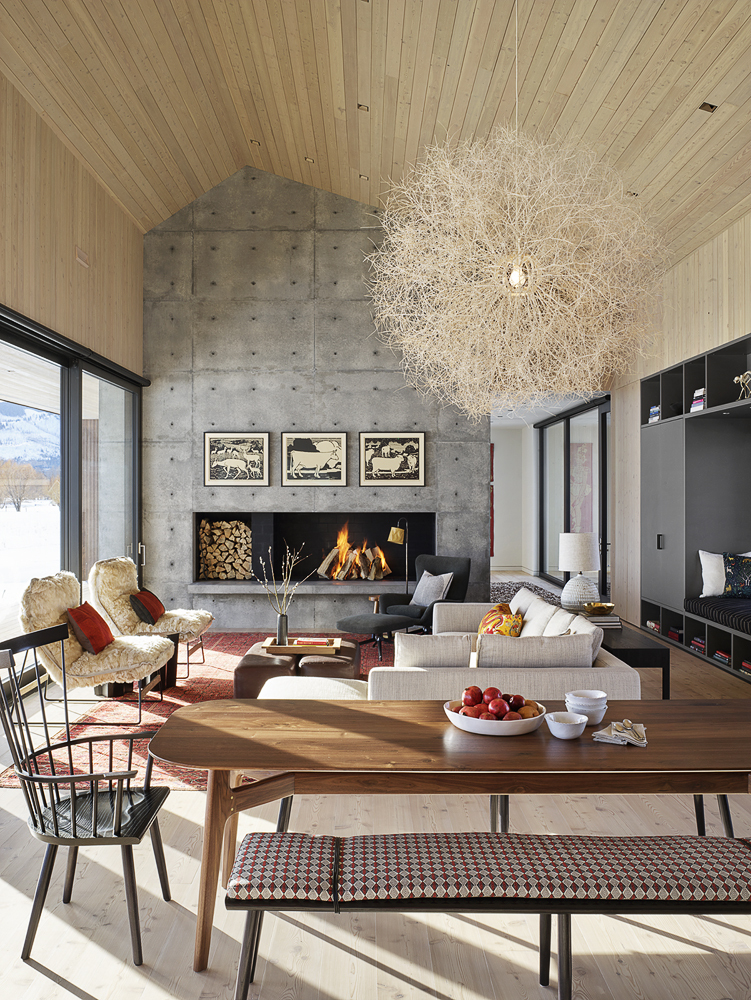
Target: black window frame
x,y
75,359
602,405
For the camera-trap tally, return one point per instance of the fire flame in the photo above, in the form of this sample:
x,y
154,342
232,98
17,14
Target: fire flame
x,y
357,563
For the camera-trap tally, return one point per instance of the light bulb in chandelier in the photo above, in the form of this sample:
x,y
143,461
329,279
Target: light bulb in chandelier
x,y
518,275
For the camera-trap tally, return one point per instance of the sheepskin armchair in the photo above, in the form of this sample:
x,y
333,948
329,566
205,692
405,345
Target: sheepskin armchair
x,y
128,658
112,581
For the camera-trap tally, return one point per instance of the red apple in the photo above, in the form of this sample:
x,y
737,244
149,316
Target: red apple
x,y
499,707
506,696
489,717
511,717
489,694
516,702
473,711
472,695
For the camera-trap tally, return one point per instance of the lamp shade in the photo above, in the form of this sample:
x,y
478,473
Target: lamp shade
x,y
578,552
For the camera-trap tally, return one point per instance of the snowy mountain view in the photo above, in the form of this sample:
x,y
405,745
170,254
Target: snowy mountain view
x,y
30,436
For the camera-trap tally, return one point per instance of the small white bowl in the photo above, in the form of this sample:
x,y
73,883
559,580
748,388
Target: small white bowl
x,y
566,725
594,715
590,698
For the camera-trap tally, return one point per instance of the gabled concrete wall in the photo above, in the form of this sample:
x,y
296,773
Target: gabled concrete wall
x,y
256,318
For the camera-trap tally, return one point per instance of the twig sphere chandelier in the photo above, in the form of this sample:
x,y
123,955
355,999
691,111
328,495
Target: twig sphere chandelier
x,y
513,272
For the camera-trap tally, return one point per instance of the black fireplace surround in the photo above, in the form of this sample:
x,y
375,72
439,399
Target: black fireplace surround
x,y
316,534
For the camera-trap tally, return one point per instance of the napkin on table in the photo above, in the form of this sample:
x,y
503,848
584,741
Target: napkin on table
x,y
609,735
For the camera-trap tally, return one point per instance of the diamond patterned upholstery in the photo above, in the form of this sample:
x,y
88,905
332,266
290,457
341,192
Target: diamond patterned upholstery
x,y
518,866
278,867
283,867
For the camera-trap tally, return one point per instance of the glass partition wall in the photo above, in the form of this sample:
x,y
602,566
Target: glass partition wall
x,y
69,460
574,495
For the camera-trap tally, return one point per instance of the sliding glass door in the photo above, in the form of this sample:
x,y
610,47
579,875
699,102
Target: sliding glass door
x,y
574,494
30,465
69,460
107,472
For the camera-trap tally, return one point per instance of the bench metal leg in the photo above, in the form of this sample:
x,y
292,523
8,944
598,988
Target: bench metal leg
x,y
565,986
546,921
727,819
701,828
499,809
282,823
244,977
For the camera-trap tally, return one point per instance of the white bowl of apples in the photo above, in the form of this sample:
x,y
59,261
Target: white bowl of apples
x,y
492,713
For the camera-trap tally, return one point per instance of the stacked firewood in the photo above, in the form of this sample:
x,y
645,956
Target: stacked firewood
x,y
224,550
353,564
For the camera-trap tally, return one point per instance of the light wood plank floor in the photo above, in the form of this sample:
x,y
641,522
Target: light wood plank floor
x,y
83,949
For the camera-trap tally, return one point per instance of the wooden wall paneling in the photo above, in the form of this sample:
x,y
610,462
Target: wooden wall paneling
x,y
625,483
463,21
470,75
49,204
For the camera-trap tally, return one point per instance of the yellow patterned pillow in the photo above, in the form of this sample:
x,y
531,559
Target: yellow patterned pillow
x,y
501,620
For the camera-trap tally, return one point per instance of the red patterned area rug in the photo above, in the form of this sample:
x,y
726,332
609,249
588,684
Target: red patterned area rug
x,y
208,681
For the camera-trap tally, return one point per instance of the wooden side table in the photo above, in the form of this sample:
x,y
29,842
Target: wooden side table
x,y
637,650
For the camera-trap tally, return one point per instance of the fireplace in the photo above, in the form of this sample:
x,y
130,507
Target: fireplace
x,y
316,534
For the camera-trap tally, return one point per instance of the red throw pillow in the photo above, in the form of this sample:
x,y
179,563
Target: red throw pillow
x,y
147,606
91,630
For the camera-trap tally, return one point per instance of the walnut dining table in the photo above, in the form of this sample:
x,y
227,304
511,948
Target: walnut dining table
x,y
409,748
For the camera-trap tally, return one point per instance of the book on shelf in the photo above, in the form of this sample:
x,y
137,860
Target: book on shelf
x,y
746,663
604,619
744,669
698,401
676,634
654,625
722,656
654,414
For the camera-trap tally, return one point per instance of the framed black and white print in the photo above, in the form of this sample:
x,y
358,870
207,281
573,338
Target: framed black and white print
x,y
392,459
235,459
319,459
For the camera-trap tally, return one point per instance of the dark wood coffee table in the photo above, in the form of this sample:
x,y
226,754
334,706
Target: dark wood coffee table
x,y
638,650
408,748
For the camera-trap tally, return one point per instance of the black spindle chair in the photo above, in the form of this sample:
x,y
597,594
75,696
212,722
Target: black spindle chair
x,y
78,791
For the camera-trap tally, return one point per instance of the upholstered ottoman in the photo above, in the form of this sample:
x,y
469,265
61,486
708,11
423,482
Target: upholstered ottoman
x,y
258,666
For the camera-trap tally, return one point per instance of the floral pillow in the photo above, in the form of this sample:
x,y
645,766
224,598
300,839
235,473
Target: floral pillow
x,y
501,620
737,575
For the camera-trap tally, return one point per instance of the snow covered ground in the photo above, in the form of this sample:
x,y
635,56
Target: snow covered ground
x,y
29,547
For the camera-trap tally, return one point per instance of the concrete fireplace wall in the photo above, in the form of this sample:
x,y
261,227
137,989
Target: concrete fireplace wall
x,y
256,318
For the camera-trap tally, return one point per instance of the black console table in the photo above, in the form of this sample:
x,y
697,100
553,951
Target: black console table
x,y
639,650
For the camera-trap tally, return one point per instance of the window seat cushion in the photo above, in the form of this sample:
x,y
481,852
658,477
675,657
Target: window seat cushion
x,y
733,612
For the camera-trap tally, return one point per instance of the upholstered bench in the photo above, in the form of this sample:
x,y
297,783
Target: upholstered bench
x,y
487,872
258,666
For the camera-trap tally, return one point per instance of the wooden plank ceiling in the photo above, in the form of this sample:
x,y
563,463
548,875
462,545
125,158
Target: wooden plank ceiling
x,y
163,99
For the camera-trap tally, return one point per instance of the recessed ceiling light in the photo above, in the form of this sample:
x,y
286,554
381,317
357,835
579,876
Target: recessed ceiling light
x,y
309,159
363,107
364,177
82,257
632,194
707,107
254,142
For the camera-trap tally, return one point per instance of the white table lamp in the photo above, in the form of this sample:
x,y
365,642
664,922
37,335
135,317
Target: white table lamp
x,y
577,553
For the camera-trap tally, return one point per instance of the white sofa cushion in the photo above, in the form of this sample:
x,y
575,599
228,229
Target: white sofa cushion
x,y
536,617
315,688
560,623
431,650
536,651
522,600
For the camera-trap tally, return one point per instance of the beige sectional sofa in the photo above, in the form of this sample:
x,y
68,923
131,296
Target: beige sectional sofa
x,y
555,653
